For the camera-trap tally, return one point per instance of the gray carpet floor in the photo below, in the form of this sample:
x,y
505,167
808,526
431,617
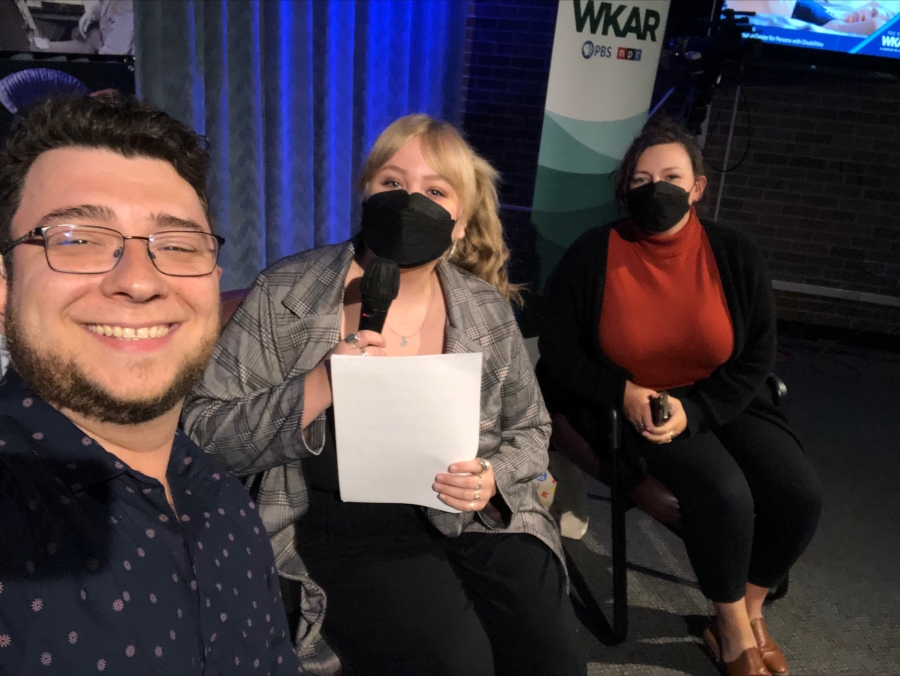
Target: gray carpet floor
x,y
842,613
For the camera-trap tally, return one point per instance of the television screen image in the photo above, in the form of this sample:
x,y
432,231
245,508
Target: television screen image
x,y
67,26
870,27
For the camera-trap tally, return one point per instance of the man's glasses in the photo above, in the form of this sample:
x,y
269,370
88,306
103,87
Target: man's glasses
x,y
92,250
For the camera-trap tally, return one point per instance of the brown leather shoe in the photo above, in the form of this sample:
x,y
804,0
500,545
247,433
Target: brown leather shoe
x,y
768,649
748,663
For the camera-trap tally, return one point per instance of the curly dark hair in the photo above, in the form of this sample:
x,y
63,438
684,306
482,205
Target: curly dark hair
x,y
112,122
655,132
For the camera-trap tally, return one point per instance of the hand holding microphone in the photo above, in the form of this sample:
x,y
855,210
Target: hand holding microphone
x,y
379,287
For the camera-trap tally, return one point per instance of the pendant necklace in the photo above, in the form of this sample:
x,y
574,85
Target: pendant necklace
x,y
404,340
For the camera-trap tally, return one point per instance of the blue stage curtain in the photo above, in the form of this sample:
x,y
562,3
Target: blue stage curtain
x,y
291,94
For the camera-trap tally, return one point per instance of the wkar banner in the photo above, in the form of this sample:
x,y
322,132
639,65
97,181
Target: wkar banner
x,y
605,56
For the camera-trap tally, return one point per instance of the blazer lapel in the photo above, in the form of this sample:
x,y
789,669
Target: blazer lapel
x,y
316,300
319,287
465,323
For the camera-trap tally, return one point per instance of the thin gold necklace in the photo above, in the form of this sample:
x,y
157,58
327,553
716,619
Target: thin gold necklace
x,y
404,340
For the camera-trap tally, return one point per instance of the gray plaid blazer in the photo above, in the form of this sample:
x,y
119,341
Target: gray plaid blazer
x,y
247,407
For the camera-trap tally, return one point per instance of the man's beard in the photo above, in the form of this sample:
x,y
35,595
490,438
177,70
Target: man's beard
x,y
64,384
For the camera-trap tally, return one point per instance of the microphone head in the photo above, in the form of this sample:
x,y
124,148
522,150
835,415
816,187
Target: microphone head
x,y
380,283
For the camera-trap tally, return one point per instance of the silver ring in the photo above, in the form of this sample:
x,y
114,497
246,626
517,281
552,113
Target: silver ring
x,y
480,483
362,352
477,494
485,465
352,339
671,436
471,506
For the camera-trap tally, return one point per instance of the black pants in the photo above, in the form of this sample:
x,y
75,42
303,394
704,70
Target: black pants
x,y
749,501
405,599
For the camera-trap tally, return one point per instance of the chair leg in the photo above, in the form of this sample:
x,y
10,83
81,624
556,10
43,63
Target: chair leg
x,y
618,629
619,571
618,509
586,605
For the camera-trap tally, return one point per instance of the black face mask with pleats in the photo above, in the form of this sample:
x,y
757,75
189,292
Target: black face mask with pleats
x,y
409,229
656,207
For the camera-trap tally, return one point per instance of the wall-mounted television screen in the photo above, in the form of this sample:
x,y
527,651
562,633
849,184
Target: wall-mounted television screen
x,y
869,27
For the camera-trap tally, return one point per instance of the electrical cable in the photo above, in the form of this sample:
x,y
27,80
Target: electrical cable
x,y
750,133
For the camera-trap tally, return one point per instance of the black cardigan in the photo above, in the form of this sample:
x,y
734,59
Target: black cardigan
x,y
577,376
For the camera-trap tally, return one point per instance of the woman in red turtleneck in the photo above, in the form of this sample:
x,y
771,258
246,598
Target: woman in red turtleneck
x,y
661,301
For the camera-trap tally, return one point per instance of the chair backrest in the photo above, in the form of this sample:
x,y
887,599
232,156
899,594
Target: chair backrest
x,y
230,301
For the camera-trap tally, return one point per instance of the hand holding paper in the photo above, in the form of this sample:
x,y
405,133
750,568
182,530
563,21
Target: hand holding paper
x,y
401,421
468,488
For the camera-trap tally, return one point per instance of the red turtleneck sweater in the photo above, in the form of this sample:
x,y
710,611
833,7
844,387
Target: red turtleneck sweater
x,y
665,318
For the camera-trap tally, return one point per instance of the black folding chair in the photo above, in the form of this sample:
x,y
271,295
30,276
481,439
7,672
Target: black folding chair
x,y
650,495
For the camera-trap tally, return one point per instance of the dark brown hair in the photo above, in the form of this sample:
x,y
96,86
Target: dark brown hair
x,y
112,122
655,132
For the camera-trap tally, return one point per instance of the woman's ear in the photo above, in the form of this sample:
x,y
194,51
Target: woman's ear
x,y
698,189
459,230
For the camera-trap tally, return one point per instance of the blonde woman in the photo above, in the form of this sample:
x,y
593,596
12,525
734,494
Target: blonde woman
x,y
409,590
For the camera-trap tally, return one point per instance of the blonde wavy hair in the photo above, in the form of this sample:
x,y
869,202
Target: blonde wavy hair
x,y
482,251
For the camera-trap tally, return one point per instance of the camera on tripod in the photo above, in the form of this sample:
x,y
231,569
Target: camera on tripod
x,y
711,59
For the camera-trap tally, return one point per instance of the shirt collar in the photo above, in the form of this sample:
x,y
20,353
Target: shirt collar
x,y
52,436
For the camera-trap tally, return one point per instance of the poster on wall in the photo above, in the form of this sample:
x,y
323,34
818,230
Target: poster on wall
x,y
67,26
605,56
848,26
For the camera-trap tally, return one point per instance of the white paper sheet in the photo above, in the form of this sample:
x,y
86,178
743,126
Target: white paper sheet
x,y
400,421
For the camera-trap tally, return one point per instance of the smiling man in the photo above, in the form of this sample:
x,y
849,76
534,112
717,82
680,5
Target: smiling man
x,y
123,548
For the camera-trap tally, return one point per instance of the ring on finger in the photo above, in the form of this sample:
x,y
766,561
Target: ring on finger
x,y
352,339
471,506
478,495
485,465
480,483
362,351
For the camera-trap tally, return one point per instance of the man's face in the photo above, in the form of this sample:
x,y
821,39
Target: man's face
x,y
56,321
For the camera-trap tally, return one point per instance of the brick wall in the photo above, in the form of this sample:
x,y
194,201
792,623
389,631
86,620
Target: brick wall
x,y
508,49
820,188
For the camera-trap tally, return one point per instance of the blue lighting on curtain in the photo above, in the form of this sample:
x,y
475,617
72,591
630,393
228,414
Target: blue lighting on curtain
x,y
221,150
292,94
196,79
334,223
283,128
257,103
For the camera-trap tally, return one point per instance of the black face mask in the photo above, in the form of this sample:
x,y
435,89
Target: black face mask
x,y
656,207
406,228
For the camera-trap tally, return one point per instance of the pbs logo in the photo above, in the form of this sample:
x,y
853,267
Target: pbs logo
x,y
591,50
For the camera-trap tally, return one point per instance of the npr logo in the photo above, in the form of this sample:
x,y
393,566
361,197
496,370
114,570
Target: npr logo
x,y
628,54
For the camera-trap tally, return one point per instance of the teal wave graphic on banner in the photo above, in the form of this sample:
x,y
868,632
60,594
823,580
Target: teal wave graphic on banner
x,y
607,137
563,191
574,190
556,232
562,151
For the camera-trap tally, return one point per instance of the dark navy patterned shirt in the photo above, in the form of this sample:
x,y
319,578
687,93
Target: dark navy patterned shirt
x,y
98,575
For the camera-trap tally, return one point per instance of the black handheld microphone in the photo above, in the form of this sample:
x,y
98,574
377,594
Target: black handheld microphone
x,y
379,287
